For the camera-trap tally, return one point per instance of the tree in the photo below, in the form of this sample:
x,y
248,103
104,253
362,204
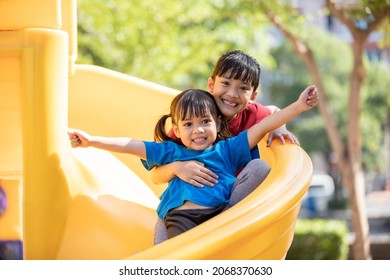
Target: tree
x,y
291,75
372,13
173,43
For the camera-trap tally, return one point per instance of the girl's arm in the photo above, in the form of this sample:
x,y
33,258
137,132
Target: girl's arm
x,y
307,100
281,133
192,172
80,138
273,108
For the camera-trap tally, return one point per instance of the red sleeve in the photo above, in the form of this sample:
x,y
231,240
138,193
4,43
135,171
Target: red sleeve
x,y
254,113
261,111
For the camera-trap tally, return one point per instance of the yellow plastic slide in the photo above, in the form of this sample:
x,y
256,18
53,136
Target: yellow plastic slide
x,y
64,203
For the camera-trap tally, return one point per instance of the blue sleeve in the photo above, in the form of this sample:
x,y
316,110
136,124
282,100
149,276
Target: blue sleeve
x,y
159,153
239,151
255,153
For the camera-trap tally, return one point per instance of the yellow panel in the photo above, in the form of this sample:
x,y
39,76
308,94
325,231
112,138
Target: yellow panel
x,y
10,113
44,103
69,25
34,75
21,14
11,219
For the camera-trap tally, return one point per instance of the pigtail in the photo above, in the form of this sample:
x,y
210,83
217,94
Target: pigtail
x,y
160,133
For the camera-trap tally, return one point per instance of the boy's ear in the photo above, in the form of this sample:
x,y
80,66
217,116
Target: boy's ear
x,y
253,96
210,85
176,130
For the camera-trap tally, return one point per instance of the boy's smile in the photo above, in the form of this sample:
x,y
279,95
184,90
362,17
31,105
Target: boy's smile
x,y
232,95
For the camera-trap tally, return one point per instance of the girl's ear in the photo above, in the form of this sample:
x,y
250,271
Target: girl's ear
x,y
176,130
210,85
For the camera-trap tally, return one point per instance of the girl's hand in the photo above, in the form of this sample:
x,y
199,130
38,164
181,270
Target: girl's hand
x,y
194,173
79,138
282,134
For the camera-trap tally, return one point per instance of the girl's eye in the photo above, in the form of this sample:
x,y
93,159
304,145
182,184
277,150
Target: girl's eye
x,y
186,124
206,121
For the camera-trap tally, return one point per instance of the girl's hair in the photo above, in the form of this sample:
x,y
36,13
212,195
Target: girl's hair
x,y
240,66
191,103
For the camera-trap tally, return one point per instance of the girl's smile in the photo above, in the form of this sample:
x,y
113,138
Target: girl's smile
x,y
197,133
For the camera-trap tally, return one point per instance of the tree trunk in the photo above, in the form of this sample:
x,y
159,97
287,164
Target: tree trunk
x,y
355,184
349,159
387,153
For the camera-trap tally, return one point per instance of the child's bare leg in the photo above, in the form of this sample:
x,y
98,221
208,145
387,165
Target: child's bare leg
x,y
249,179
160,232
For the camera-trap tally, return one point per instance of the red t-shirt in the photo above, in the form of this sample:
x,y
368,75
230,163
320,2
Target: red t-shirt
x,y
253,113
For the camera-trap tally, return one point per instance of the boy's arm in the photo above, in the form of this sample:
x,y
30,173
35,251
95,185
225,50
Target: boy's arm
x,y
80,138
192,172
307,99
163,174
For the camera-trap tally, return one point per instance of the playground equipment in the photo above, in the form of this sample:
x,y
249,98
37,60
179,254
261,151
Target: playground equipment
x,y
63,203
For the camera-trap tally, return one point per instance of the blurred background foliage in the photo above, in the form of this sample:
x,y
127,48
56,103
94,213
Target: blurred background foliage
x,y
176,44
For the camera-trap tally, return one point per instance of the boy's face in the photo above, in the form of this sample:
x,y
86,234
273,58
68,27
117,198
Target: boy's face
x,y
232,95
197,133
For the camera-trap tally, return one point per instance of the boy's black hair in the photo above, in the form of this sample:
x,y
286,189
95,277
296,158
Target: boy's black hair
x,y
238,65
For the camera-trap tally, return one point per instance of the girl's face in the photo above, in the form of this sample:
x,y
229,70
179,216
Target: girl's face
x,y
232,95
197,133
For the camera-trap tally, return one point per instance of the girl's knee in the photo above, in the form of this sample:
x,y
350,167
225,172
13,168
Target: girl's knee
x,y
258,164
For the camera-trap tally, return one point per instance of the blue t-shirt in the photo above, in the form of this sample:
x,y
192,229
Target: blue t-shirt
x,y
223,158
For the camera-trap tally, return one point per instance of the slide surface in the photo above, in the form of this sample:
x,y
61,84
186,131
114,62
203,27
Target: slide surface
x,y
259,227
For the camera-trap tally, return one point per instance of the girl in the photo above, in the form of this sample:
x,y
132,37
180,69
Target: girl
x,y
198,122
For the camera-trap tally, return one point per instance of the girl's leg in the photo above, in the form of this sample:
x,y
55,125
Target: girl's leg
x,y
160,232
179,221
249,179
